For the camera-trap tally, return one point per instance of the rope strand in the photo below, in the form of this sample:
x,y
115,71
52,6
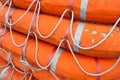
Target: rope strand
x,y
4,5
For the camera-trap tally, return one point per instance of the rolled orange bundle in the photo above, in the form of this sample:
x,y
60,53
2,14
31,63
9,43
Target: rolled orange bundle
x,y
85,34
105,11
70,70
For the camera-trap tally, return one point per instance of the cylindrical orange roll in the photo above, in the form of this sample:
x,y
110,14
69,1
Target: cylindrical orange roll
x,y
85,34
108,10
70,69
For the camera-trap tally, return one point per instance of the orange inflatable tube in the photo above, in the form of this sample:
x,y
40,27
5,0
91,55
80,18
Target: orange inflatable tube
x,y
70,70
84,34
87,10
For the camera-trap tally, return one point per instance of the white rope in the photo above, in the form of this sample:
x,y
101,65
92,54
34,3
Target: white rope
x,y
53,74
7,58
30,78
7,13
91,47
76,61
12,74
4,71
54,29
11,62
97,44
4,5
24,50
36,52
13,40
36,57
22,78
81,68
1,34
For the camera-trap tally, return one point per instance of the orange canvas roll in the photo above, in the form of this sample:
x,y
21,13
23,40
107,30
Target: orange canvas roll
x,y
85,34
90,10
70,69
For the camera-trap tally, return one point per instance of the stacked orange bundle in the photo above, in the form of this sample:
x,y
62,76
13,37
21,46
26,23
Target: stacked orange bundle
x,y
38,44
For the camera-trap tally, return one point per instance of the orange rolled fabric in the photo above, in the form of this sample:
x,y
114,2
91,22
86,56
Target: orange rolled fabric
x,y
85,34
63,63
105,11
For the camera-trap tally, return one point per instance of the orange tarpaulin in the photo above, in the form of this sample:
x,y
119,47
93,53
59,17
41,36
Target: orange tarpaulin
x,y
106,11
84,34
61,57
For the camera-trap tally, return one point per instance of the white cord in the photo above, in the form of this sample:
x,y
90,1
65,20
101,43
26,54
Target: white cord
x,y
97,44
51,33
4,5
111,30
24,49
22,78
7,13
81,68
36,55
91,47
7,58
13,40
12,74
4,71
54,75
11,62
30,78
